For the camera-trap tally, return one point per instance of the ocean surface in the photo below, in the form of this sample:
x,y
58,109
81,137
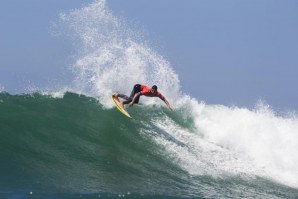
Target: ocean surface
x,y
69,140
72,147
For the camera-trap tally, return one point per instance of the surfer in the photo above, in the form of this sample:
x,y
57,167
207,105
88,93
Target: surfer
x,y
139,90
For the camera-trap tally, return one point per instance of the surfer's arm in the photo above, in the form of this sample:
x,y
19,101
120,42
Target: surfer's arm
x,y
165,100
168,104
134,98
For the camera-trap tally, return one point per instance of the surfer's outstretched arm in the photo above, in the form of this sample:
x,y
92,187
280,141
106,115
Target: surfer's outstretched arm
x,y
168,104
165,100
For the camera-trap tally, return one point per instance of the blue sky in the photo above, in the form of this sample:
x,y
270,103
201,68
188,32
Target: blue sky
x,y
225,51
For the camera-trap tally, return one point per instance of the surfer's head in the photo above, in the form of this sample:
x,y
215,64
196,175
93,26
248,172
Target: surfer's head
x,y
154,89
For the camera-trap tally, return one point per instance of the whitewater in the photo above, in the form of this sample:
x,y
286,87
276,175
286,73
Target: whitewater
x,y
71,142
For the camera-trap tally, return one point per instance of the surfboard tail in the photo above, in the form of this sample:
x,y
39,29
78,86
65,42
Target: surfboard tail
x,y
119,106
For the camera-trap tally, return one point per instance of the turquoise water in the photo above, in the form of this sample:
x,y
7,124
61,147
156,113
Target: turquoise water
x,y
73,147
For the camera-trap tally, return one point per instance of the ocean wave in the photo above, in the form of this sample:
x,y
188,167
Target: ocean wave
x,y
74,144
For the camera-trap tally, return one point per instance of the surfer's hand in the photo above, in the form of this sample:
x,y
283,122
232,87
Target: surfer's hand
x,y
130,104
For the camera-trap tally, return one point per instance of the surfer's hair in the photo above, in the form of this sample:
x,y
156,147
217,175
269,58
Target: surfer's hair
x,y
154,87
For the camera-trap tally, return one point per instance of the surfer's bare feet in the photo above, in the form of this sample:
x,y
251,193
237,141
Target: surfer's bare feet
x,y
115,95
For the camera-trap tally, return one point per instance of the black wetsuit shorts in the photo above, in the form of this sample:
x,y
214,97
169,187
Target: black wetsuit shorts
x,y
136,89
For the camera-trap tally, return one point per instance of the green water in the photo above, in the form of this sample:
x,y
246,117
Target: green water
x,y
73,147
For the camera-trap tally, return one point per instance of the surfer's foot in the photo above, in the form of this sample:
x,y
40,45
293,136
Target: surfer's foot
x,y
115,95
122,105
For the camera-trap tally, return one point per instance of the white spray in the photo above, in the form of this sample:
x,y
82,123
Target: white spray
x,y
113,58
2,88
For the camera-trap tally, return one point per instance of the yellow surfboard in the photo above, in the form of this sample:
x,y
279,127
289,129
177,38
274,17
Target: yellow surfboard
x,y
118,105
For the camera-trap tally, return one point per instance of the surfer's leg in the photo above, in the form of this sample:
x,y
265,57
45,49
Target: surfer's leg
x,y
136,89
123,96
130,99
127,101
137,100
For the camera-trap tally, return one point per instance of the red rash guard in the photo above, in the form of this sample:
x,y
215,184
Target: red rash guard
x,y
147,92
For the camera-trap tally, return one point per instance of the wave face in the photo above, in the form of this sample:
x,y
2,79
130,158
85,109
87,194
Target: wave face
x,y
73,145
